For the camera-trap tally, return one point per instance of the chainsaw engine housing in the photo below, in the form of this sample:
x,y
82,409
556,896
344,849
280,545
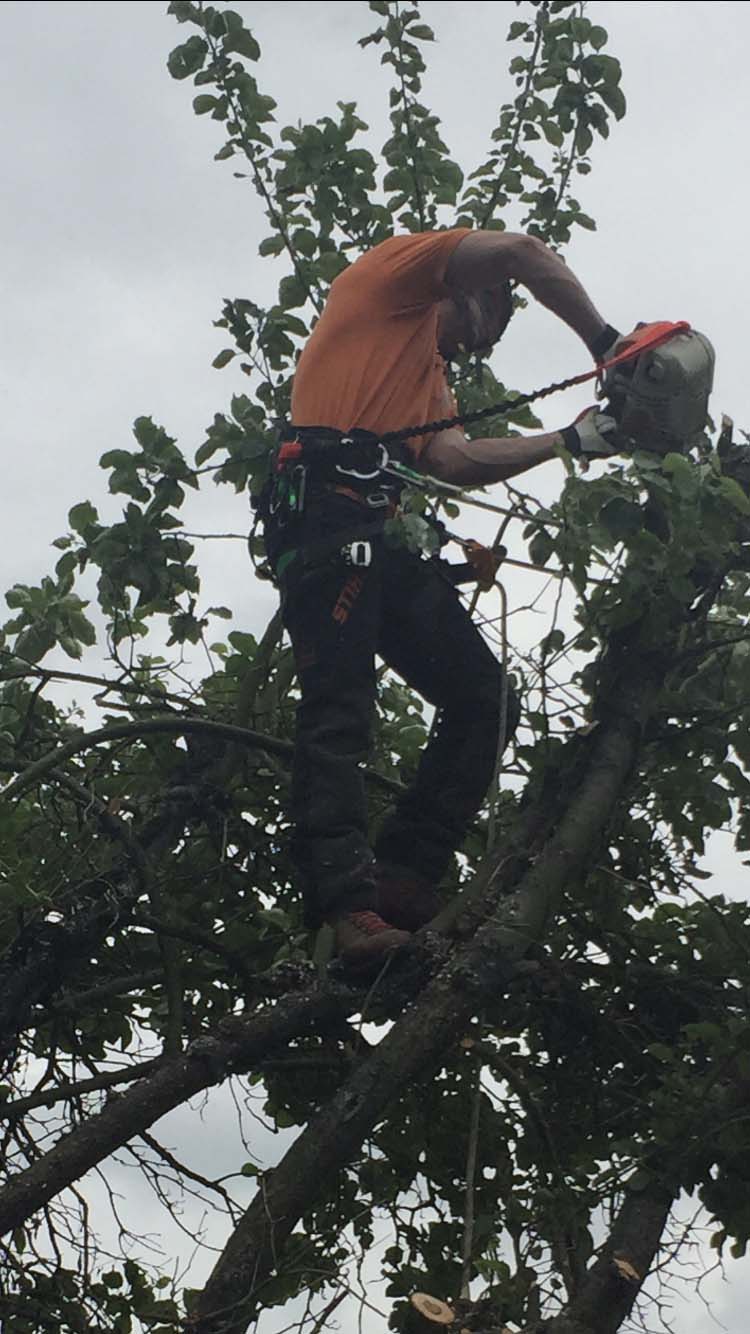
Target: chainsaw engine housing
x,y
660,399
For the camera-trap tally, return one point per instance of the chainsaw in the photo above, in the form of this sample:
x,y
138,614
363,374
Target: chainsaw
x,y
657,387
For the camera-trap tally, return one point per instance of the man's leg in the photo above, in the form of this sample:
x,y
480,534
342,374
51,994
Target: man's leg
x,y
429,638
332,612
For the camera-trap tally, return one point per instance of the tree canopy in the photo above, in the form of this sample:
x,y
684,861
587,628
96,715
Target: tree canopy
x,y
507,1119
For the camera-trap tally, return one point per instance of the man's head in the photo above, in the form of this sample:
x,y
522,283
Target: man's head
x,y
473,322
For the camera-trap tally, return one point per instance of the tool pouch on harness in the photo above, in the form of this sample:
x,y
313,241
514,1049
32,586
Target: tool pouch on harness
x,y
660,398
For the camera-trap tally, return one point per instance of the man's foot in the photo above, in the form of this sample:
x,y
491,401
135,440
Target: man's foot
x,y
363,938
405,898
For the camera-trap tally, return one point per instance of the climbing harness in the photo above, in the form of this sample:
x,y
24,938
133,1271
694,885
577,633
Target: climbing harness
x,y
311,462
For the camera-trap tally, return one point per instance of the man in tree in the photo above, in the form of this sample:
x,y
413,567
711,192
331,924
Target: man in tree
x,y
375,363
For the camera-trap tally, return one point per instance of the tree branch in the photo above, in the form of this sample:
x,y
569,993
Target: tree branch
x,y
75,1002
144,727
48,674
520,104
163,723
237,1045
13,1111
612,1284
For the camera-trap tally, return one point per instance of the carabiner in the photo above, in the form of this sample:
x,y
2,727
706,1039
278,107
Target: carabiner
x,y
383,461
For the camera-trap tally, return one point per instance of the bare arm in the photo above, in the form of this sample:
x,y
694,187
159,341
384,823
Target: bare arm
x,y
453,458
486,259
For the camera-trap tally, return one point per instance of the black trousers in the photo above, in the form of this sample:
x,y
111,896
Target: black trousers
x,y
405,609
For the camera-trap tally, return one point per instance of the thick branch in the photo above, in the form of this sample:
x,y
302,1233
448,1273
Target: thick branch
x,y
613,1282
238,1045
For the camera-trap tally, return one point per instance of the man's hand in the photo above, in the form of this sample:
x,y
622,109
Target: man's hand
x,y
592,436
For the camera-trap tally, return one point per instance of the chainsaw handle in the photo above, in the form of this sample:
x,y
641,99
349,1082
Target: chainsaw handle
x,y
643,339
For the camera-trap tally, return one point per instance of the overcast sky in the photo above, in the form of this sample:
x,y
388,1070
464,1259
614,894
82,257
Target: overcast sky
x,y
120,238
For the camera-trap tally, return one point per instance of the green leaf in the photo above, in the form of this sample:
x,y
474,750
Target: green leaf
x,y
330,265
604,69
284,1119
305,241
33,643
18,597
614,98
188,58
597,36
223,612
82,515
223,358
118,458
70,646
421,32
621,518
147,433
66,564
733,493
541,548
272,245
552,643
243,42
552,132
249,1170
204,102
580,29
292,292
683,473
661,1052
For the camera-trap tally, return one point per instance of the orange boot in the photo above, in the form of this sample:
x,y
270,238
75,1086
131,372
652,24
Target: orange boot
x,y
362,938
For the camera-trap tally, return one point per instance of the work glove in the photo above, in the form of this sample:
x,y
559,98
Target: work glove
x,y
593,435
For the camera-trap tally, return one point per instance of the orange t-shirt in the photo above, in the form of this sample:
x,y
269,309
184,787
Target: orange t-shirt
x,y
372,361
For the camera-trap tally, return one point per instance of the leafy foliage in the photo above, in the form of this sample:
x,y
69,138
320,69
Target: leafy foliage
x,y
147,884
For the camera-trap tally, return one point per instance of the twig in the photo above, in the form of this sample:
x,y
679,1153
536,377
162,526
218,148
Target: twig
x,y
188,1172
12,1111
